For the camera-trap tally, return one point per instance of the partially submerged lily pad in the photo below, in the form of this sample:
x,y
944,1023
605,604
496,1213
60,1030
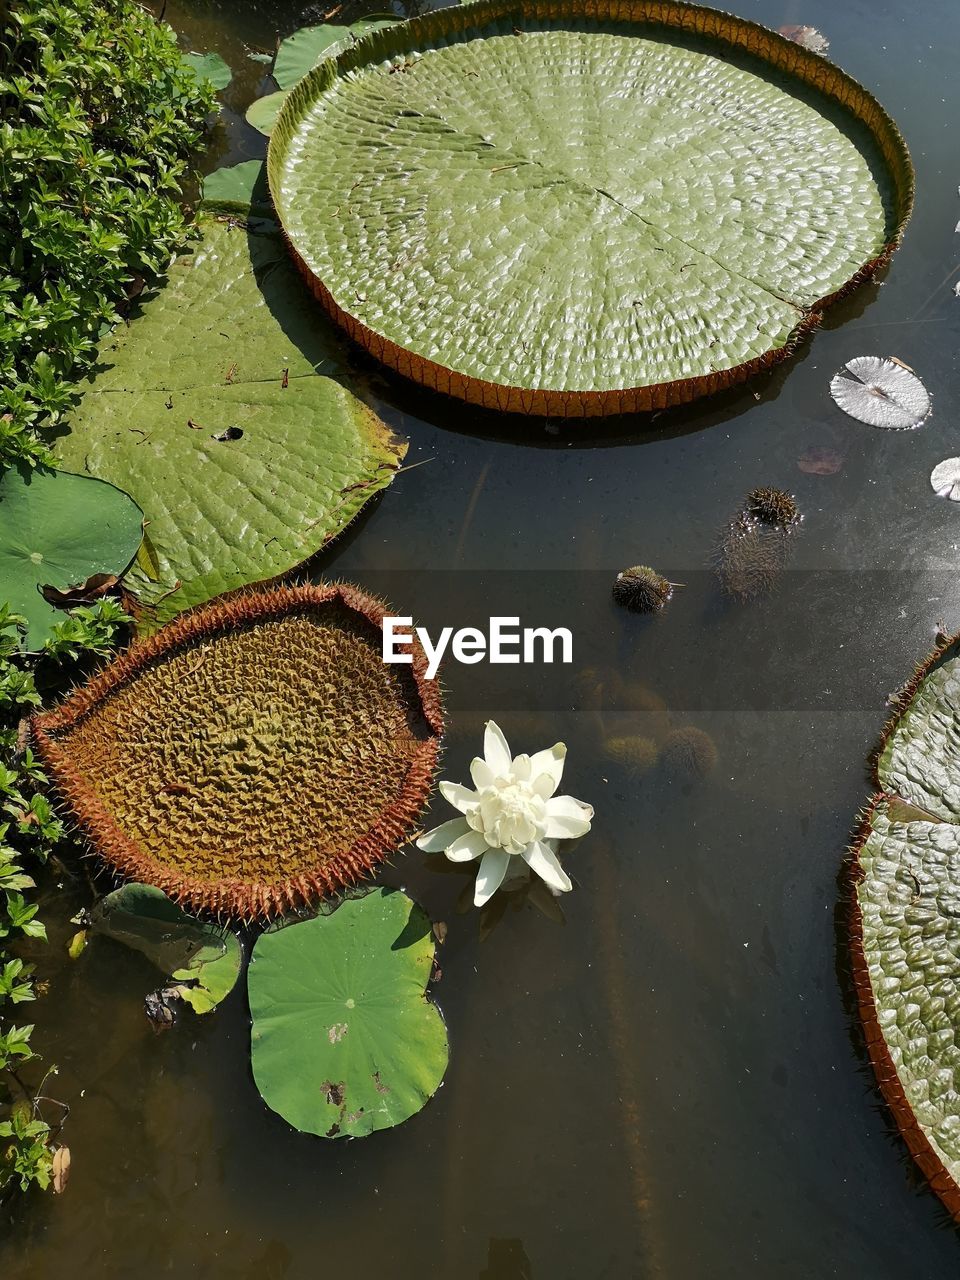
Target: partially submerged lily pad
x,y
203,960
209,67
883,393
263,112
239,188
610,277
945,479
252,756
58,530
344,1040
301,52
905,919
225,410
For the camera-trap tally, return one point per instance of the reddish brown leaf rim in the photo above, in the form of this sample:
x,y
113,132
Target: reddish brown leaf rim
x,y
238,898
812,69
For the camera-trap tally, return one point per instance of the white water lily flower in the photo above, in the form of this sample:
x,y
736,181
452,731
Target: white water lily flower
x,y
512,814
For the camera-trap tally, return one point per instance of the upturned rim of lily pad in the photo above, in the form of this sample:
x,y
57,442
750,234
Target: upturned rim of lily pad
x,y
783,55
929,1161
239,898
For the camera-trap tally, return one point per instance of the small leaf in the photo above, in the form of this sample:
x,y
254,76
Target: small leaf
x,y
60,1169
240,188
77,944
301,52
945,479
209,67
820,461
883,393
263,113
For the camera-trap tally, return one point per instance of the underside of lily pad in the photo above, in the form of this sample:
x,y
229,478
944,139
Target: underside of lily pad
x,y
905,919
252,756
584,207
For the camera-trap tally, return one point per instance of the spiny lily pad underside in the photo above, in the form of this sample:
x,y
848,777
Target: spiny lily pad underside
x,y
905,920
253,756
583,208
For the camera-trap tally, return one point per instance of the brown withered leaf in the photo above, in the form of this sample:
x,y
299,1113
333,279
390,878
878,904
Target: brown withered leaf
x,y
95,586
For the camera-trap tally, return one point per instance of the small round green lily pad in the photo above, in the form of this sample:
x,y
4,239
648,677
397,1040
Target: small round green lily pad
x,y
344,1040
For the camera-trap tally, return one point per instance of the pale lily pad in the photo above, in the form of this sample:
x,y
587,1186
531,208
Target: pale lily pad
x,y
224,408
945,479
58,530
210,67
263,113
203,959
301,52
883,393
344,1040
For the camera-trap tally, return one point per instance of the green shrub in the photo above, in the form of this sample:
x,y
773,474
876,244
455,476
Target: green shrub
x,y
29,829
97,116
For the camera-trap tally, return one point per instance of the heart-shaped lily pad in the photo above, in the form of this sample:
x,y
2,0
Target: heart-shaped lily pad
x,y
57,530
205,960
253,755
905,919
344,1040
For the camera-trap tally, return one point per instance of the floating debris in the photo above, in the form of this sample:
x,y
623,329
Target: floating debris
x,y
642,590
809,37
883,393
820,461
690,753
772,506
945,479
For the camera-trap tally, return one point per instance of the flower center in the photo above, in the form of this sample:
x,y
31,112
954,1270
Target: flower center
x,y
510,815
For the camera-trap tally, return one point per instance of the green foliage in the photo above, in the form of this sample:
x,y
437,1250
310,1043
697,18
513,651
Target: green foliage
x,y
29,828
98,115
57,531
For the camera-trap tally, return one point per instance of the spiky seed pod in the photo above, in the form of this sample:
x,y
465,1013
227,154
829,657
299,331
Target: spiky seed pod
x,y
642,590
635,754
750,557
772,506
689,753
252,756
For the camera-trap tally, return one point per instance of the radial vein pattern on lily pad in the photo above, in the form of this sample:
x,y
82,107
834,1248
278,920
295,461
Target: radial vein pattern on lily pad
x,y
225,410
253,755
344,1040
581,208
905,920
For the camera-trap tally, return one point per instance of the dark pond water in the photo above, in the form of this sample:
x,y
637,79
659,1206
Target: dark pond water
x,y
672,1083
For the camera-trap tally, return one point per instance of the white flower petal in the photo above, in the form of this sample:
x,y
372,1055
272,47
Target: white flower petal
x,y
459,796
481,773
520,769
496,751
467,847
543,862
436,841
490,876
548,764
567,818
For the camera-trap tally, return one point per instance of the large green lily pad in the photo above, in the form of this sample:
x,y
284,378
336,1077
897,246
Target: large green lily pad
x,y
905,924
583,208
203,959
344,1041
224,410
57,530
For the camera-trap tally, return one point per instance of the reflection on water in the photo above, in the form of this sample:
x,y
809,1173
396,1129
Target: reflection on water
x,y
671,1083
